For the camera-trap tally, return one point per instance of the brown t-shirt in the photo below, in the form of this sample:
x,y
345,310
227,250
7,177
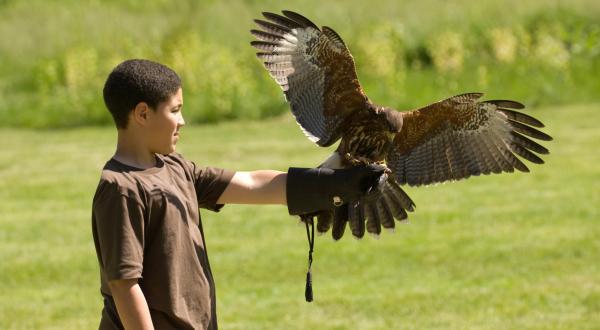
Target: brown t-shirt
x,y
146,225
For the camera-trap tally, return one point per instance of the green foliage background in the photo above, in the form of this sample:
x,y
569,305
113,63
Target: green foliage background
x,y
55,55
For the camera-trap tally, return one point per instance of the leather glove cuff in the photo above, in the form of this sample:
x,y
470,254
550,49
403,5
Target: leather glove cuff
x,y
307,191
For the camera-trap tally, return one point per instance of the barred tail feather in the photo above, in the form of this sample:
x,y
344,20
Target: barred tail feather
x,y
385,205
324,221
340,218
378,209
356,220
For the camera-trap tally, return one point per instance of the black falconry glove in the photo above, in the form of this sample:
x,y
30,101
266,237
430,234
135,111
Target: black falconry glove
x,y
310,190
316,189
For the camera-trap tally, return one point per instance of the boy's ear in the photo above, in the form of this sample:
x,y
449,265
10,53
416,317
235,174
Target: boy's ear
x,y
140,113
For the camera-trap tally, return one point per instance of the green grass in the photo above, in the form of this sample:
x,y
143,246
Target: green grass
x,y
515,251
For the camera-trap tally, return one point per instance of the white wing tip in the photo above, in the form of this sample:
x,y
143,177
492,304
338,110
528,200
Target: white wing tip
x,y
309,135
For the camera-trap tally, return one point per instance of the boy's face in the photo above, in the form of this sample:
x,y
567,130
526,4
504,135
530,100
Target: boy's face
x,y
164,124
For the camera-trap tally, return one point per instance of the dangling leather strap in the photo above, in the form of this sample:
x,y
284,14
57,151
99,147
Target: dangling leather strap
x,y
310,234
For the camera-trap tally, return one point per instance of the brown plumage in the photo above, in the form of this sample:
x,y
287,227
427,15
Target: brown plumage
x,y
449,140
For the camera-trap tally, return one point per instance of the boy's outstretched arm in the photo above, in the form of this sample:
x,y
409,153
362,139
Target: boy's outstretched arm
x,y
131,304
303,190
257,187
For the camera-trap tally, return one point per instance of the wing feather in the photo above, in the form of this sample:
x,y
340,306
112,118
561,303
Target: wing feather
x,y
315,70
265,36
281,20
521,117
529,131
529,144
498,162
299,18
273,28
461,137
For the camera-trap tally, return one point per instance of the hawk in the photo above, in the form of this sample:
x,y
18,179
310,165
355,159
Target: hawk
x,y
449,140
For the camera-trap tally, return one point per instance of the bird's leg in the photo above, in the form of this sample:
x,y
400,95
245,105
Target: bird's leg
x,y
357,160
360,160
387,170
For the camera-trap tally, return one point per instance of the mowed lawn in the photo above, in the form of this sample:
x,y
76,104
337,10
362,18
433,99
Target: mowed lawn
x,y
514,251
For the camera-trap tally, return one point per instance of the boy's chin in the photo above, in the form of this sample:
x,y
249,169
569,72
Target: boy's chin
x,y
166,151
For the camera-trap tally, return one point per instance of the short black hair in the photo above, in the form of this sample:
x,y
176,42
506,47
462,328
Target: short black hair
x,y
135,81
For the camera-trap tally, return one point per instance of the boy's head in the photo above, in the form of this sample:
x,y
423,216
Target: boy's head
x,y
145,99
135,81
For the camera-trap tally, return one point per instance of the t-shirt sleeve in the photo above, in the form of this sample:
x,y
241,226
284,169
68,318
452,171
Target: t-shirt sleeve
x,y
119,226
210,185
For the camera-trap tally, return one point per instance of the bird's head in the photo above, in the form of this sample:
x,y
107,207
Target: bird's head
x,y
393,119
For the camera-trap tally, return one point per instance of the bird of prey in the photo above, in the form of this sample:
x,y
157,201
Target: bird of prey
x,y
452,139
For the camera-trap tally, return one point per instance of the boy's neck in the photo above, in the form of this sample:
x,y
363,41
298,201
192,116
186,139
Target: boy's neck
x,y
132,151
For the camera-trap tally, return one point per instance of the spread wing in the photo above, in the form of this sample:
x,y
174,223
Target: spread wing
x,y
315,70
461,136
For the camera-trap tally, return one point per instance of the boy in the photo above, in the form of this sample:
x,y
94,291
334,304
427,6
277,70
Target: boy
x,y
154,270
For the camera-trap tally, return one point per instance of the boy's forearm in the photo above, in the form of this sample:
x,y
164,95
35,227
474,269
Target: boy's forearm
x,y
256,187
131,304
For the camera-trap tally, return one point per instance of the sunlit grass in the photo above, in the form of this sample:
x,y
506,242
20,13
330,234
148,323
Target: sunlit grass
x,y
516,251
